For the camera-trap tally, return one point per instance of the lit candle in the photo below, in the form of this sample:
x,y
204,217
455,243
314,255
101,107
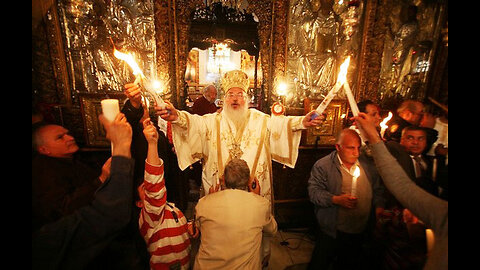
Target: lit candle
x,y
282,92
430,240
140,78
351,99
342,76
110,108
356,174
383,124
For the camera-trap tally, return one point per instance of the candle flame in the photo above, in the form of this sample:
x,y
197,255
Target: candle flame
x,y
282,89
383,124
157,86
342,75
356,173
127,57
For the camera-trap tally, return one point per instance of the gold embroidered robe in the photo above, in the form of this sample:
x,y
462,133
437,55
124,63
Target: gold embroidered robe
x,y
262,139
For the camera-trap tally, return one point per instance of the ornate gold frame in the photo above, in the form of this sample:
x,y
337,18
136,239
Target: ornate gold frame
x,y
325,134
272,32
172,28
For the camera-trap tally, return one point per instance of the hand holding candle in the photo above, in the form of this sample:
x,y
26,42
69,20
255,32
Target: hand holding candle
x,y
140,79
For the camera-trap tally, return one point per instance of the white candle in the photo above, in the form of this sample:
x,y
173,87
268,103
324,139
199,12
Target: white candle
x,y
151,88
430,240
356,174
328,98
342,76
110,108
351,99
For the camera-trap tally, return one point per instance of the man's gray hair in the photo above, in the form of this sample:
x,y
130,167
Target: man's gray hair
x,y
237,174
37,138
205,89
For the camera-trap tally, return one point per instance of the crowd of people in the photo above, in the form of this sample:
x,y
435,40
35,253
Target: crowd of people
x,y
373,196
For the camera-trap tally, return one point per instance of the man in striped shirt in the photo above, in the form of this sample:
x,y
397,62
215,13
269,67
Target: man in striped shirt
x,y
162,225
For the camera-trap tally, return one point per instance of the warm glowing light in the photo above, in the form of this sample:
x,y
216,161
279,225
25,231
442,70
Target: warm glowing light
x,y
356,173
157,86
342,75
383,124
282,89
130,61
386,119
430,240
152,88
219,59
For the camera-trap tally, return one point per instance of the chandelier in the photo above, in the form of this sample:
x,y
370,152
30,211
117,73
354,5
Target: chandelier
x,y
219,59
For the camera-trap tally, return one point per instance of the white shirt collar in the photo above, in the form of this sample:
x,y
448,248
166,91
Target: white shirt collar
x,y
352,169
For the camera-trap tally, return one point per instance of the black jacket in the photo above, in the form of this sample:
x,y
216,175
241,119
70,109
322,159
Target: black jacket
x,y
76,239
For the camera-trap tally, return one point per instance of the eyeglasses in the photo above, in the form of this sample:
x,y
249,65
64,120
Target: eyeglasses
x,y
238,95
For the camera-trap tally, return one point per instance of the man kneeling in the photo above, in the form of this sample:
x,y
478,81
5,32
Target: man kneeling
x,y
232,223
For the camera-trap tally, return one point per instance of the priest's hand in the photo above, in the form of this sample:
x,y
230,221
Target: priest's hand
x,y
308,122
134,94
167,113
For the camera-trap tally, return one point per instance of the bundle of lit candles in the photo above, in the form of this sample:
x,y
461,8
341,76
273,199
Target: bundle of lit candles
x,y
110,107
147,86
341,79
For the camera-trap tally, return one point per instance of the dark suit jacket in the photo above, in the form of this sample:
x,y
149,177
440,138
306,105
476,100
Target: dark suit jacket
x,y
75,240
406,163
397,124
202,106
174,178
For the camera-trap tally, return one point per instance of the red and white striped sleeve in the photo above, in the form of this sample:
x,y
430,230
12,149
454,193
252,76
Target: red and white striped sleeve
x,y
155,197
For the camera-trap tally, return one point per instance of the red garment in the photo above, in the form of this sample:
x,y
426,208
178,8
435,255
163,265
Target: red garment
x,y
162,225
202,106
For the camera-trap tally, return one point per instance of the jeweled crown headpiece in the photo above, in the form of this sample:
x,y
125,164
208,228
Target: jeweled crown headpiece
x,y
235,78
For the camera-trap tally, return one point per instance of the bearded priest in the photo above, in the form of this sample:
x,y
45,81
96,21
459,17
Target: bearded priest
x,y
236,132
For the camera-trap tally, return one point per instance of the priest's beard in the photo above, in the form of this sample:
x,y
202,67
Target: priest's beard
x,y
238,116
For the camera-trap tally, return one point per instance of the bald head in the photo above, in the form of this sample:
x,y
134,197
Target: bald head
x,y
347,134
348,146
